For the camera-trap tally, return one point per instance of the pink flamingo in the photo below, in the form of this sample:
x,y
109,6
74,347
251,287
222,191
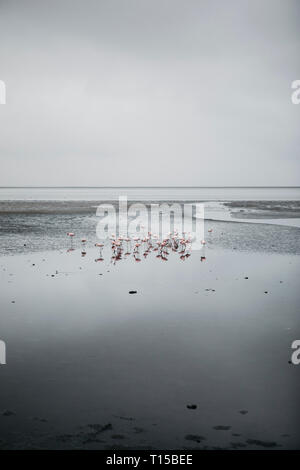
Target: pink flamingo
x,y
71,235
83,252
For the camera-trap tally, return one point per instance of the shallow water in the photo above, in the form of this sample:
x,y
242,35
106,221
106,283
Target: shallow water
x,y
91,366
23,233
82,351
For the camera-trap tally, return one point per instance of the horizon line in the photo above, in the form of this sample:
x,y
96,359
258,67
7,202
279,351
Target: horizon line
x,y
145,187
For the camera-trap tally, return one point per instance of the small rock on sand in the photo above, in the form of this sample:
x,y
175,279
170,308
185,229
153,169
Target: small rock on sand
x,y
133,292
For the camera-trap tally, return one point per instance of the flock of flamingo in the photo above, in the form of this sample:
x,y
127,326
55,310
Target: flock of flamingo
x,y
140,247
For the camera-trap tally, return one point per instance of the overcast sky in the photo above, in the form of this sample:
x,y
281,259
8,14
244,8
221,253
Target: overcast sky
x,y
149,92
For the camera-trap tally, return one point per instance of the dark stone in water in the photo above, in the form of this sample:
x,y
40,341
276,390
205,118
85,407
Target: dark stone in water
x,y
138,430
194,437
126,418
236,445
8,413
243,412
133,292
257,442
191,407
65,437
222,428
100,428
246,277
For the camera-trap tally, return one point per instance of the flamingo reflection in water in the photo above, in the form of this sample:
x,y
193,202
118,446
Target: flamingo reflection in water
x,y
100,258
143,246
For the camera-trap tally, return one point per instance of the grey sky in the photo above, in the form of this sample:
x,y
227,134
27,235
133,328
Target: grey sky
x,y
149,92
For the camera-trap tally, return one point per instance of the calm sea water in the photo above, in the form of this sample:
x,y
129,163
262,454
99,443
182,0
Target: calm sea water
x,y
36,219
90,366
152,193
